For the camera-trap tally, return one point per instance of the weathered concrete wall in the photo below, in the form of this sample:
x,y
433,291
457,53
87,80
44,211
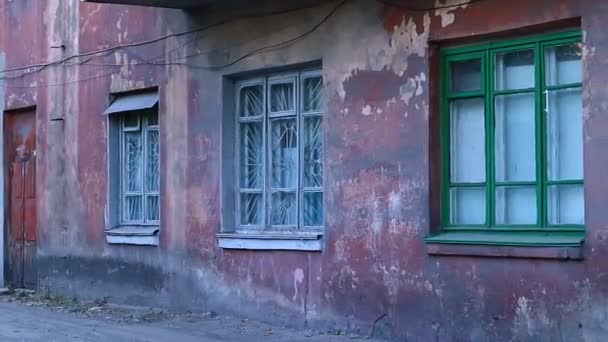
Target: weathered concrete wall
x,y
374,273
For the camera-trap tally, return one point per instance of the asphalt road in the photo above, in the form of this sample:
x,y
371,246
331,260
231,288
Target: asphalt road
x,y
22,322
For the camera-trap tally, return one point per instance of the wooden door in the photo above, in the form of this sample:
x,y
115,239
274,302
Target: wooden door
x,y
20,161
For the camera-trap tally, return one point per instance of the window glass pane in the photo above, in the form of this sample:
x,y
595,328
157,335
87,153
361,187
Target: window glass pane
x,y
468,206
284,208
153,208
252,156
313,94
466,75
132,161
313,151
563,64
152,162
313,208
515,138
565,134
251,101
152,116
284,150
515,70
131,121
252,209
516,205
281,97
566,204
467,141
133,208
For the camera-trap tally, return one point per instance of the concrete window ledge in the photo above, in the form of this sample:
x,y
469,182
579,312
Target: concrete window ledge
x,y
295,241
133,235
536,245
561,253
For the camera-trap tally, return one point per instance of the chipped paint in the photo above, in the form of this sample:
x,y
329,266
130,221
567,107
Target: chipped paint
x,y
298,277
446,15
393,54
523,317
367,110
413,87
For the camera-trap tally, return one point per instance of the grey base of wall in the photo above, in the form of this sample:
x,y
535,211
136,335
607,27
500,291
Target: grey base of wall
x,y
138,284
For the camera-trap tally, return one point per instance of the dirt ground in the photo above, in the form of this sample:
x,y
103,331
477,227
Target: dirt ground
x,y
25,316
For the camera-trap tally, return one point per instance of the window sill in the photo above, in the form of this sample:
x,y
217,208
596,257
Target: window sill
x,y
133,235
543,245
292,241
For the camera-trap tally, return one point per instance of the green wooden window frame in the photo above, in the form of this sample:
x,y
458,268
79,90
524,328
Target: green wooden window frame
x,y
486,54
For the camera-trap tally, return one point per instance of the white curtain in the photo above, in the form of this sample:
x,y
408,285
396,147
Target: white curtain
x,y
565,134
515,139
468,161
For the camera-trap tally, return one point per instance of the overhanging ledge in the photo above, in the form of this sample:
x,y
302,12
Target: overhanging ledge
x,y
183,4
213,4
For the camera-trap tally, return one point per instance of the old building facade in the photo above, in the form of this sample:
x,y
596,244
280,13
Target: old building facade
x,y
414,170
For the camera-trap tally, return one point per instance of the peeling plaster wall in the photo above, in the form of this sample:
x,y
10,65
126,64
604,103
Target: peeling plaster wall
x,y
374,275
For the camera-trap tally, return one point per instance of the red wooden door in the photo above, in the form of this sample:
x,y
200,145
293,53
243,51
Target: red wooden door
x,y
20,158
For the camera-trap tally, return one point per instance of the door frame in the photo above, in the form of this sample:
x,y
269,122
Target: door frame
x,y
3,176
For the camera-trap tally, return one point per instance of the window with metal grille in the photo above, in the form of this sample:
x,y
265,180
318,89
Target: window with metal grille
x,y
139,167
279,144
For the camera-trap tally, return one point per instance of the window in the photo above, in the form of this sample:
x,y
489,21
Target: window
x,y
512,135
139,169
133,210
279,147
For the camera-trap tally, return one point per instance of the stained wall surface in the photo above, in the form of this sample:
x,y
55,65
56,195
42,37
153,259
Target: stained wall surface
x,y
374,274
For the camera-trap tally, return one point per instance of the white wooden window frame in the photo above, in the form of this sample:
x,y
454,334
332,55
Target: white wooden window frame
x,y
297,79
144,128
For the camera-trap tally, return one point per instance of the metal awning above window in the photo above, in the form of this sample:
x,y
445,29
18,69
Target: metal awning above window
x,y
135,101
